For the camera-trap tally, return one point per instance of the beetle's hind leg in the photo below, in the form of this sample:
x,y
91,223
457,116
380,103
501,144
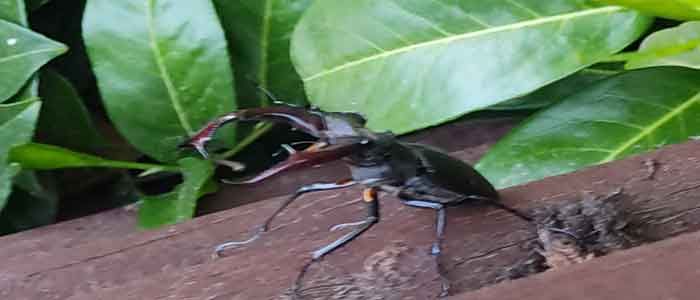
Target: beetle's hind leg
x,y
370,198
436,249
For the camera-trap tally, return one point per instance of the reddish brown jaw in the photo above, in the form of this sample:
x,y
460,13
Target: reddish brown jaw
x,y
315,154
297,117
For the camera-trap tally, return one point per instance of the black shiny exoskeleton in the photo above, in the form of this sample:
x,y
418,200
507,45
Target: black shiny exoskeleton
x,y
418,175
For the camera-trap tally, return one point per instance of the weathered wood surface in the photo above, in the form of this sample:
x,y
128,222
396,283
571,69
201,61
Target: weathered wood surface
x,y
664,270
390,261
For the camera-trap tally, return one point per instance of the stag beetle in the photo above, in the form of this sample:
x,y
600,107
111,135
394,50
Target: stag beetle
x,y
418,175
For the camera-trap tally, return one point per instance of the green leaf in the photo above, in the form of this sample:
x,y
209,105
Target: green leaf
x,y
30,90
22,52
64,120
677,46
627,114
179,205
31,204
48,157
259,32
17,121
162,68
36,4
672,9
555,91
13,11
407,65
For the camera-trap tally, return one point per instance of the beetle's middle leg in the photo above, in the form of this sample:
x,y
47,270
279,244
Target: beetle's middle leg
x,y
315,187
436,249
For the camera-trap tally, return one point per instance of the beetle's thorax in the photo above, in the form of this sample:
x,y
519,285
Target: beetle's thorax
x,y
382,160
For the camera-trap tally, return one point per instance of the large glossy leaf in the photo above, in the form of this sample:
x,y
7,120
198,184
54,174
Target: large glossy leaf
x,y
624,115
677,46
555,91
17,123
672,9
411,64
22,52
13,11
179,205
259,33
162,69
64,120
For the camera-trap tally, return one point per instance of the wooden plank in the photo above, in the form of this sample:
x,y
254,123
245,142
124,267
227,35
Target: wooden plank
x,y
389,261
663,270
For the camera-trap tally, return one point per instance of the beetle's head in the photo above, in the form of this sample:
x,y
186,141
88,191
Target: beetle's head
x,y
338,133
343,128
331,128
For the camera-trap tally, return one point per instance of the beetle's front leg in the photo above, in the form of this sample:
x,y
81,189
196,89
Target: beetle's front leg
x,y
369,196
315,187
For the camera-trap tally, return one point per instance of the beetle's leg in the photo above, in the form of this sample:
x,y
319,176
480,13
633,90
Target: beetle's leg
x,y
440,221
369,195
436,249
315,187
234,165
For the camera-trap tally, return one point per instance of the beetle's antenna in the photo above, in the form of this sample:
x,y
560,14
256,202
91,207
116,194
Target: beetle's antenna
x,y
285,147
265,91
268,94
234,165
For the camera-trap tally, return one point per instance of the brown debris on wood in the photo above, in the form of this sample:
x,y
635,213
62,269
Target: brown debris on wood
x,y
575,232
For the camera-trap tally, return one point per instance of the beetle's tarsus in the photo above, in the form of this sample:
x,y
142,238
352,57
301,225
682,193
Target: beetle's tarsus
x,y
233,244
234,165
345,225
296,288
202,150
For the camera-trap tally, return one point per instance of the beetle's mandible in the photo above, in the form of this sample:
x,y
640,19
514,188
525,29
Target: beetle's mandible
x,y
418,175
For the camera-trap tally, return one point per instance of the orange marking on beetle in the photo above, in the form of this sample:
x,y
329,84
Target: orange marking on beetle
x,y
369,195
315,147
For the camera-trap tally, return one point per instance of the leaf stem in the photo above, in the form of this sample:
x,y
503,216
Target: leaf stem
x,y
648,54
136,165
622,57
258,131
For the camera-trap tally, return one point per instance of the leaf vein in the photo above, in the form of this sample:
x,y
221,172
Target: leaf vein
x,y
625,124
264,45
28,53
467,35
631,99
524,8
430,23
650,129
169,86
